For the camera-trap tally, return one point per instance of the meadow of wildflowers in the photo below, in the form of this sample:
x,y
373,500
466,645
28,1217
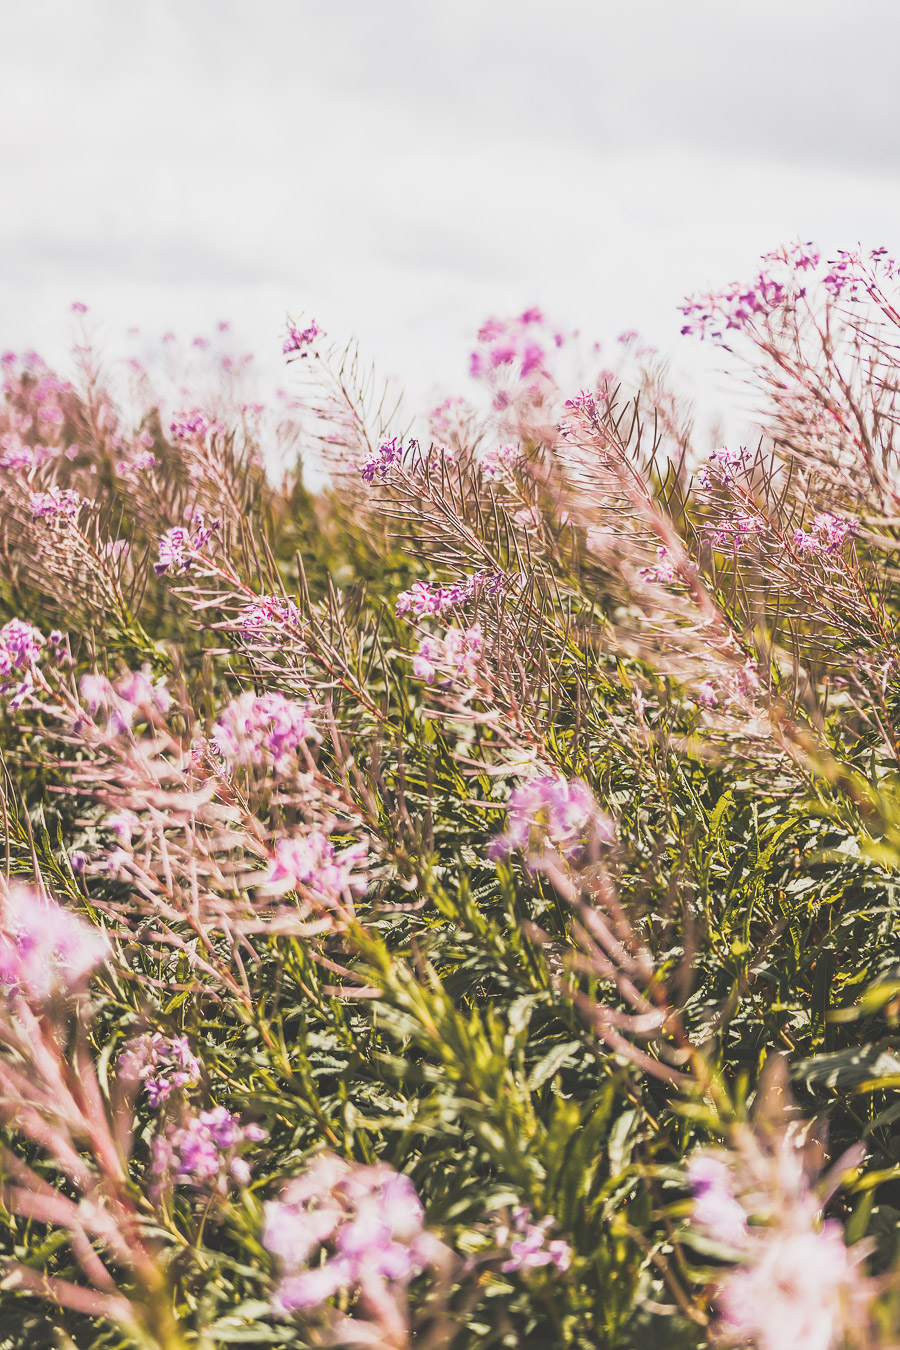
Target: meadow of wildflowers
x,y
458,907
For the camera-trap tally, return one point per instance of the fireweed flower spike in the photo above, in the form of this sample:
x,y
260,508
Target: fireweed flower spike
x,y
300,339
178,546
349,1227
162,1064
311,861
265,730
794,1283
549,811
205,1151
45,950
378,463
529,1248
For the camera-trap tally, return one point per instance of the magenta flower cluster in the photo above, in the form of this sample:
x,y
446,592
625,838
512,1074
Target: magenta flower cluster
x,y
794,1282
512,342
724,466
263,731
499,460
528,1246
22,648
311,862
550,811
205,1151
56,506
828,535
268,616
179,545
131,697
378,463
344,1227
45,950
300,339
427,598
191,426
163,1064
456,653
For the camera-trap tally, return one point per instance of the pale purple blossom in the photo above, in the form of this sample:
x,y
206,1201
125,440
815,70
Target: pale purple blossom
x,y
716,1211
794,1283
191,426
556,812
378,463
724,466
311,862
263,730
179,546
499,460
205,1151
300,339
269,616
455,654
22,648
342,1226
59,504
828,535
131,696
706,695
45,950
428,598
664,573
162,1064
529,1248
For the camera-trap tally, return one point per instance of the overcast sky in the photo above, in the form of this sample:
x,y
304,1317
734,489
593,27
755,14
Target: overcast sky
x,y
400,169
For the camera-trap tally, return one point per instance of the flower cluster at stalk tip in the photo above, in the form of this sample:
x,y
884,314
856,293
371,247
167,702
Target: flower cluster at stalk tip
x,y
300,339
311,862
268,616
428,598
794,1284
455,654
179,546
528,1245
378,463
724,466
345,1227
205,1151
550,811
45,950
192,426
22,649
828,535
59,505
130,698
663,573
263,731
499,460
735,531
162,1064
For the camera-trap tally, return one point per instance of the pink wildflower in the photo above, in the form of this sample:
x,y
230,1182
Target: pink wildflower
x,y
263,730
299,340
205,1151
179,545
551,810
378,463
311,861
367,1224
163,1064
44,949
529,1248
59,504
